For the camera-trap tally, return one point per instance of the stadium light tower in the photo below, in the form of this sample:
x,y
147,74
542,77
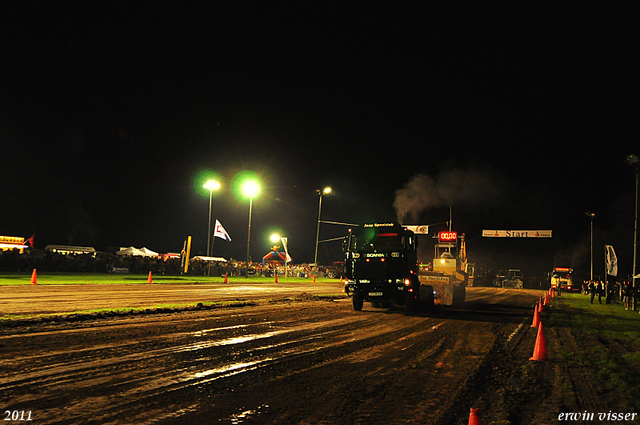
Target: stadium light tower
x,y
635,161
250,189
211,185
591,215
325,191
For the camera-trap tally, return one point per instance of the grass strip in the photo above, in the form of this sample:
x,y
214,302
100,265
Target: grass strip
x,y
609,345
55,278
123,311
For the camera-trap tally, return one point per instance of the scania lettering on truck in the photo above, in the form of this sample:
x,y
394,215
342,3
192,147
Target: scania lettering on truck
x,y
381,267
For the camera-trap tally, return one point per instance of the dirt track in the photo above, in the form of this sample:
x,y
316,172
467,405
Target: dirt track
x,y
57,299
286,361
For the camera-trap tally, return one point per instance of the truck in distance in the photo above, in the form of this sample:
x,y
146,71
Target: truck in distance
x,y
562,277
381,267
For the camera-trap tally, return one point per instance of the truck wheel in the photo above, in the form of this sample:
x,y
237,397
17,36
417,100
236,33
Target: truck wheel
x,y
358,301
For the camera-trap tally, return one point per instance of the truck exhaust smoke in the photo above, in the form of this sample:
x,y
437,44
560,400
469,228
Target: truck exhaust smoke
x,y
453,187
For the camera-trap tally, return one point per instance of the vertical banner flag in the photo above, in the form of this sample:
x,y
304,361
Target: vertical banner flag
x,y
286,251
611,260
221,233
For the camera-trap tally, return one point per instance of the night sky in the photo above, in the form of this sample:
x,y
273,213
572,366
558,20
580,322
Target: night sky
x,y
518,116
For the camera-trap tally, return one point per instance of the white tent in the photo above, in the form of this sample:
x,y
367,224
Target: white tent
x,y
214,259
148,252
133,251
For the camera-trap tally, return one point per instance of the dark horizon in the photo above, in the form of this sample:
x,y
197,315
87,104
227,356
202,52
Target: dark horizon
x,y
516,116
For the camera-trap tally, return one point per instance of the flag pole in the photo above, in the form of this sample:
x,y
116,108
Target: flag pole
x,y
607,261
210,253
635,241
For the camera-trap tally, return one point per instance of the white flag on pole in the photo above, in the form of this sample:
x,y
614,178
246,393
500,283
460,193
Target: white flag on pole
x,y
220,232
611,260
286,251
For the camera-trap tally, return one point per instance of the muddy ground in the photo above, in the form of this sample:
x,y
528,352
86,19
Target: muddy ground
x,y
295,359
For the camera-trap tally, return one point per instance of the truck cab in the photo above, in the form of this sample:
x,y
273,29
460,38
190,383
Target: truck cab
x,y
381,266
562,277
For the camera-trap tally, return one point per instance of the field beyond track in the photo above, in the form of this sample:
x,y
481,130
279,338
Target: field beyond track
x,y
55,278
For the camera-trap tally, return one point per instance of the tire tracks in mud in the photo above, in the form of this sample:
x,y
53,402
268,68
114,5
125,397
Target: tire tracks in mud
x,y
85,374
408,379
506,386
308,362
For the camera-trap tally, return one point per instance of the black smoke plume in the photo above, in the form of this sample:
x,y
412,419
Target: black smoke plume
x,y
454,187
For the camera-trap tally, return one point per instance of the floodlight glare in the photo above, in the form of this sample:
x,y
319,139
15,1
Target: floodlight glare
x,y
250,188
326,190
275,238
212,185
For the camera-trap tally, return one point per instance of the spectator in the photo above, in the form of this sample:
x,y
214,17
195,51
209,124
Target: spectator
x,y
626,294
609,292
593,288
600,292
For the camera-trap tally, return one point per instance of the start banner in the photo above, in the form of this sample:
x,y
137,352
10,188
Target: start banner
x,y
516,233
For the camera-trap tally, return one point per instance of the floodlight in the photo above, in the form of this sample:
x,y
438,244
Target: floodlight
x,y
212,185
250,188
275,238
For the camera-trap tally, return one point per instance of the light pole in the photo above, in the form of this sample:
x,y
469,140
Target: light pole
x,y
323,192
211,185
250,188
591,215
635,161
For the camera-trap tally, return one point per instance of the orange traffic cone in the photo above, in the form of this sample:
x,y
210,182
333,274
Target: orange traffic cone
x,y
474,419
536,317
341,280
149,280
540,349
546,299
540,308
276,277
553,293
226,278
314,279
34,277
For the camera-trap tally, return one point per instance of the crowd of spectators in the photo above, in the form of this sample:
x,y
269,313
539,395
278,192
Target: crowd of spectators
x,y
100,262
611,291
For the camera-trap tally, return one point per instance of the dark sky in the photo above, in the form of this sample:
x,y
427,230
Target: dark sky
x,y
518,116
